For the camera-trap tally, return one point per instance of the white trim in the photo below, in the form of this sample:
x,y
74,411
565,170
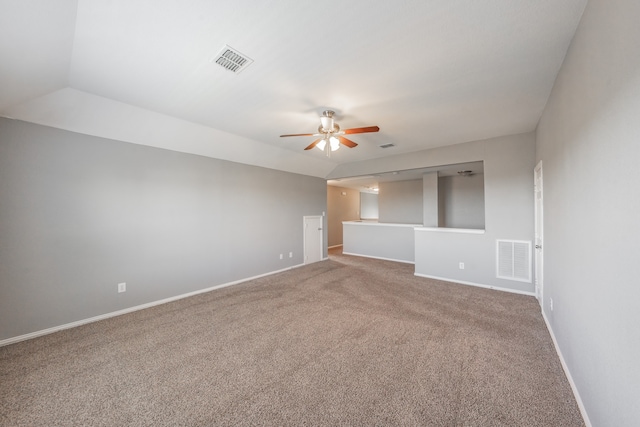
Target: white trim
x,y
304,236
334,246
47,331
452,230
462,282
538,236
380,224
574,389
377,257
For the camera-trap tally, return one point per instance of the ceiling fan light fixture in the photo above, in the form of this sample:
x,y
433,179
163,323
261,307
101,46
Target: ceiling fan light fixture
x,y
331,136
334,143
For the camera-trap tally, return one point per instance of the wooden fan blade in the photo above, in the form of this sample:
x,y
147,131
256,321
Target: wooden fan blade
x,y
313,144
298,134
347,142
362,130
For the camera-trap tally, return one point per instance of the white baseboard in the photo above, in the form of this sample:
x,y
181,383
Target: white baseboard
x,y
576,394
334,246
462,282
40,333
377,257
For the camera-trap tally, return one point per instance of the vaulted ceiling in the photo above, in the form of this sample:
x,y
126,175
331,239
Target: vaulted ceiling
x,y
428,73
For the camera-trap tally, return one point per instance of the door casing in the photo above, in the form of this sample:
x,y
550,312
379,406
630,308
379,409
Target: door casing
x,y
539,233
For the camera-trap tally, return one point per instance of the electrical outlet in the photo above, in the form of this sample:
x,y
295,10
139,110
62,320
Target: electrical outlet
x,y
461,266
290,254
551,303
281,256
122,287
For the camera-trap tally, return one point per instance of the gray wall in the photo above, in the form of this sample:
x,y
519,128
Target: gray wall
x,y
393,242
508,189
368,206
430,202
79,214
589,142
343,204
461,201
400,202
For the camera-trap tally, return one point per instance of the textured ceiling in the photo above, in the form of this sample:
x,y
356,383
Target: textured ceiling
x,y
428,73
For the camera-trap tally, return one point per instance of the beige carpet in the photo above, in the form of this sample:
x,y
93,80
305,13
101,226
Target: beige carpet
x,y
349,341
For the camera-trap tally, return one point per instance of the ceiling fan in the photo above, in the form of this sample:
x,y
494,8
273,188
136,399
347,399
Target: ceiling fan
x,y
331,135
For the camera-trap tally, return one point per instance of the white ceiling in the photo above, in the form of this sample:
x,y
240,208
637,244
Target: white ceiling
x,y
429,73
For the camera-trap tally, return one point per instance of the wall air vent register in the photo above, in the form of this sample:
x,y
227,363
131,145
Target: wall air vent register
x,y
514,260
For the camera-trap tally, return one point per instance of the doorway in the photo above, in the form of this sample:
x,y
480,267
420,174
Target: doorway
x,y
312,239
539,223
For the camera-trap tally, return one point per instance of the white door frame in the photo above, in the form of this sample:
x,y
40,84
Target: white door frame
x,y
539,233
304,236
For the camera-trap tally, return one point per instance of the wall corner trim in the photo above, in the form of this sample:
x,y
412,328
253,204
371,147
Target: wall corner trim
x,y
479,285
377,257
565,368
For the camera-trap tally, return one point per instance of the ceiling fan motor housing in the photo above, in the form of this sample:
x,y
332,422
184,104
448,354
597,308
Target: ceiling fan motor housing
x,y
327,121
324,130
327,124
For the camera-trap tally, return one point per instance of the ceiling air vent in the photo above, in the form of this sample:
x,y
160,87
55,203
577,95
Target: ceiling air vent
x,y
232,60
389,145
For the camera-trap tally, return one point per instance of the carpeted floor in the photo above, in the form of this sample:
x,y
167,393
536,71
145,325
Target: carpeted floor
x,y
344,342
